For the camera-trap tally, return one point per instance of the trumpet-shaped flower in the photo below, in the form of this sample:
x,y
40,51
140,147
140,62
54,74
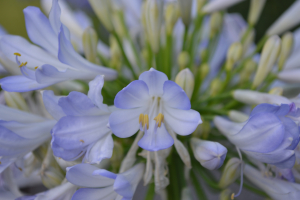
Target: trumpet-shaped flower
x,y
55,62
153,104
82,124
102,184
269,135
20,133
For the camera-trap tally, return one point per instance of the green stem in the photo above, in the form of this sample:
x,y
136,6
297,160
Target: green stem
x,y
150,193
168,55
199,190
185,38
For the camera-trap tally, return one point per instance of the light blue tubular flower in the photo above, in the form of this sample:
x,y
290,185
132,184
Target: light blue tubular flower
x,y
82,124
55,62
20,133
102,184
269,135
153,104
62,192
277,189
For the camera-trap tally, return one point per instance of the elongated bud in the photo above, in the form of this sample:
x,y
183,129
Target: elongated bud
x,y
211,155
230,173
200,4
215,24
183,60
204,70
152,19
217,5
287,20
247,39
268,58
185,79
171,17
185,8
286,48
203,130
103,10
225,195
255,10
254,97
216,86
247,71
117,155
15,100
186,194
115,52
89,42
237,116
234,53
276,91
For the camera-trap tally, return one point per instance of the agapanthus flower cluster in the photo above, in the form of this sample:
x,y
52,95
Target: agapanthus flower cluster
x,y
107,95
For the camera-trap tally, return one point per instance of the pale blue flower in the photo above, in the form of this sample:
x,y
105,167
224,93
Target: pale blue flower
x,y
153,104
102,184
56,61
269,135
82,124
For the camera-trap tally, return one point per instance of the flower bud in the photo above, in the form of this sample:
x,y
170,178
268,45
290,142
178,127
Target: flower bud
x,y
230,173
186,194
171,17
185,8
255,10
276,91
15,100
200,4
215,24
286,21
247,40
234,53
185,79
211,155
89,42
268,58
216,86
152,19
183,60
204,70
217,5
115,52
286,48
237,116
103,10
117,155
202,130
247,71
225,194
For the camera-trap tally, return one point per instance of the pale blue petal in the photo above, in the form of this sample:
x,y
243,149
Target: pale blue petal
x,y
134,95
282,110
54,17
40,30
183,122
155,81
105,173
82,175
28,73
106,193
95,87
68,155
174,96
51,104
292,131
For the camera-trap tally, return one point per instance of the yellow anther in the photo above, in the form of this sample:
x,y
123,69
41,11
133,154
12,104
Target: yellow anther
x,y
81,141
232,196
36,67
17,54
25,63
20,168
146,121
141,119
159,119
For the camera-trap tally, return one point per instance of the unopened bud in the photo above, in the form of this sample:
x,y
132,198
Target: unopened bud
x,y
255,10
286,48
217,5
225,195
211,155
247,71
203,130
183,60
234,53
103,10
186,194
117,155
237,116
115,52
204,55
231,172
185,79
216,86
171,17
204,70
89,42
215,24
268,58
200,4
118,22
277,91
247,40
185,8
15,100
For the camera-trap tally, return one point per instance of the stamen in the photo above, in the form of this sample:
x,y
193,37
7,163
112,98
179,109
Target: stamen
x,y
241,184
232,196
17,54
36,67
146,121
141,119
81,141
159,119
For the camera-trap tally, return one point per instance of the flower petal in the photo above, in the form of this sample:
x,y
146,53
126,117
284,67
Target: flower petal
x,y
51,104
183,122
94,93
68,155
134,95
155,81
281,110
105,173
82,175
175,97
106,193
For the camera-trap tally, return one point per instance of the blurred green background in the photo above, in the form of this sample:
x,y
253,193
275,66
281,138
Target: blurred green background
x,y
12,18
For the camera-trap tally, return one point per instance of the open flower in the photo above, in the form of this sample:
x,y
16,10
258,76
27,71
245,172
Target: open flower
x,y
102,184
82,124
153,104
269,135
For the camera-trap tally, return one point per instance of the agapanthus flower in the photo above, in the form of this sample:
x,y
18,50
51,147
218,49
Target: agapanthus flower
x,y
269,135
82,124
103,184
55,62
153,104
